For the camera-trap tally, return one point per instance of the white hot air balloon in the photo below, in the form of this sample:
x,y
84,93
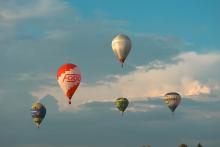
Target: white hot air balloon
x,y
121,46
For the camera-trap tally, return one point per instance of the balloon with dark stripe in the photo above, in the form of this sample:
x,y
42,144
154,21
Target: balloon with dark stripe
x,y
172,99
38,112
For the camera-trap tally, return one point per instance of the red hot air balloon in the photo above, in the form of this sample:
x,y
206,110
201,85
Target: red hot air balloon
x,y
69,77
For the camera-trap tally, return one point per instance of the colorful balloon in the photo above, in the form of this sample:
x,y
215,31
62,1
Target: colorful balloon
x,y
172,99
38,112
121,104
69,77
121,46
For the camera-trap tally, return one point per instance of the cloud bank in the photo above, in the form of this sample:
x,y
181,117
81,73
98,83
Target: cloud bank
x,y
188,74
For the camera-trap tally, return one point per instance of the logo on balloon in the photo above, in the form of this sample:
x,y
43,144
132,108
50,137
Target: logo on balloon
x,y
71,78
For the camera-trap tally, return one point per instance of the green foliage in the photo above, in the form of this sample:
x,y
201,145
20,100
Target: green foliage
x,y
199,145
183,145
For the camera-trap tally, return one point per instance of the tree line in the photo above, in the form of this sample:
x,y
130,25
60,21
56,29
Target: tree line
x,y
181,145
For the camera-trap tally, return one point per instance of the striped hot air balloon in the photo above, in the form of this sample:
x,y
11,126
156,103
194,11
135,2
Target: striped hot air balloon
x,y
69,77
172,99
38,112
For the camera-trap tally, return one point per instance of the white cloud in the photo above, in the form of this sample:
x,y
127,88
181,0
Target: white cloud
x,y
194,87
142,107
139,107
188,76
13,10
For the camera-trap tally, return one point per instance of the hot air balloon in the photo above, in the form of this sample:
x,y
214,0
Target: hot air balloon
x,y
172,99
121,46
121,104
38,112
69,77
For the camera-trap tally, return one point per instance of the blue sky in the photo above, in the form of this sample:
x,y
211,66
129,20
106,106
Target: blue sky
x,y
175,48
200,19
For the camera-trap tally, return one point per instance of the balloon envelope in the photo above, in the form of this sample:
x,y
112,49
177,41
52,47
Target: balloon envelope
x,y
69,77
121,46
172,99
38,112
121,104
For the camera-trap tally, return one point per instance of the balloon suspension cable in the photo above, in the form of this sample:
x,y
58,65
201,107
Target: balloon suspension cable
x,y
122,114
38,126
173,114
121,65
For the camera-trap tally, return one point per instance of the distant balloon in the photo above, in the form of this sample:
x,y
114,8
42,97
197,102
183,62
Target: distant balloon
x,y
121,104
38,112
172,99
69,77
121,46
